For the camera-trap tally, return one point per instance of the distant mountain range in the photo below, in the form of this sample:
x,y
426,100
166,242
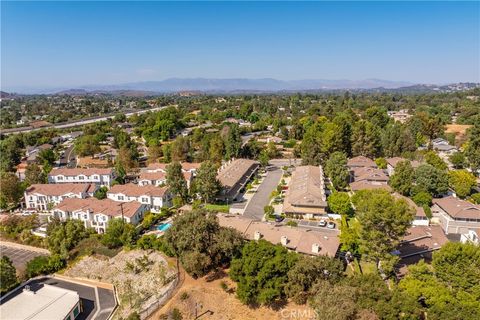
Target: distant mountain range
x,y
238,85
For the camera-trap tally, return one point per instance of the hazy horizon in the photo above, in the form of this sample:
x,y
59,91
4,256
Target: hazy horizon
x,y
72,44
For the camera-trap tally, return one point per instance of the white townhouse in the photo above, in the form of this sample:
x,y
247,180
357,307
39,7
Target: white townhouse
x,y
97,213
41,197
100,177
153,197
155,173
156,179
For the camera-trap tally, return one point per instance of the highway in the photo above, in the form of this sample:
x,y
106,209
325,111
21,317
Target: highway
x,y
77,123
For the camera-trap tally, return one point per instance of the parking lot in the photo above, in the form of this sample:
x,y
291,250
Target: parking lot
x,y
19,255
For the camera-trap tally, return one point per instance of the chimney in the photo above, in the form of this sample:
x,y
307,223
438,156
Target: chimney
x,y
315,248
257,235
284,240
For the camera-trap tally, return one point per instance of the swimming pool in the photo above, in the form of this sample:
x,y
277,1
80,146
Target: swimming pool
x,y
164,226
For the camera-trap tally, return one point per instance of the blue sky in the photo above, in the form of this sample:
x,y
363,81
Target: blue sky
x,y
46,44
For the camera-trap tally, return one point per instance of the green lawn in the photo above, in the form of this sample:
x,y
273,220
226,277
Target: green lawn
x,y
218,207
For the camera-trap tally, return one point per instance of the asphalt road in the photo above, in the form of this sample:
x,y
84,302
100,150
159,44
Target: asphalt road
x,y
254,209
19,257
97,303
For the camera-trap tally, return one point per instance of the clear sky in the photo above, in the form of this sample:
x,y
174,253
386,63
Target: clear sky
x,y
45,44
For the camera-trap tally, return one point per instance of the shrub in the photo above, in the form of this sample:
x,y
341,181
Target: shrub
x,y
176,314
292,223
224,285
44,265
184,296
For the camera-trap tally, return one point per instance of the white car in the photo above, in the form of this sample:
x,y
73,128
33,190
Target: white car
x,y
331,225
322,223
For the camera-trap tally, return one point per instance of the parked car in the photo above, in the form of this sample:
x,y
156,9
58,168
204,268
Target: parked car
x,y
331,225
279,219
322,223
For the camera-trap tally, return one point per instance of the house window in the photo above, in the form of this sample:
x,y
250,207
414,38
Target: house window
x,y
59,178
144,199
120,197
81,177
95,177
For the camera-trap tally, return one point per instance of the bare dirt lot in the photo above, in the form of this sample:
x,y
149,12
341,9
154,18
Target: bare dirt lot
x,y
215,303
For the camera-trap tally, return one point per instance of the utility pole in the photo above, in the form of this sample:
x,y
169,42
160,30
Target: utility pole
x,y
121,210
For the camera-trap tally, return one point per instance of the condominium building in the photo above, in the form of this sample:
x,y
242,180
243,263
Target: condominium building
x,y
305,197
96,213
153,197
234,176
455,215
98,176
42,197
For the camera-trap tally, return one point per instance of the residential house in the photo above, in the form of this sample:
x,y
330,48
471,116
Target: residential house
x,y
400,115
153,197
305,197
472,236
41,197
33,152
234,176
392,163
96,213
456,216
98,176
443,147
419,244
360,162
368,178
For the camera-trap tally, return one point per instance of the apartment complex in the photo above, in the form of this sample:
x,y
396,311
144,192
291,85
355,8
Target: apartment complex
x,y
455,215
96,213
305,197
364,174
98,176
153,197
234,176
156,173
309,242
42,197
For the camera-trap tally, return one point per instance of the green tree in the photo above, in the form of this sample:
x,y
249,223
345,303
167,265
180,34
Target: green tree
x,y
11,190
384,221
458,160
34,174
262,272
381,163
307,272
403,178
423,199
472,149
206,183
432,158
119,233
101,193
449,287
197,239
366,139
8,274
232,140
431,179
462,182
62,236
339,202
46,156
176,181
336,169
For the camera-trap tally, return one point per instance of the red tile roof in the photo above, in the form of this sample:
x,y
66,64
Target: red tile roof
x,y
134,190
60,189
106,206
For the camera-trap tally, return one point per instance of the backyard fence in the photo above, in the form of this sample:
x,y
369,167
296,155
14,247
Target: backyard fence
x,y
160,302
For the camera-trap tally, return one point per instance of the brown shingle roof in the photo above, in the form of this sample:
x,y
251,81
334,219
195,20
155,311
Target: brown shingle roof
x,y
105,206
78,171
299,239
306,188
457,208
234,171
361,161
134,190
395,160
368,185
369,174
61,189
